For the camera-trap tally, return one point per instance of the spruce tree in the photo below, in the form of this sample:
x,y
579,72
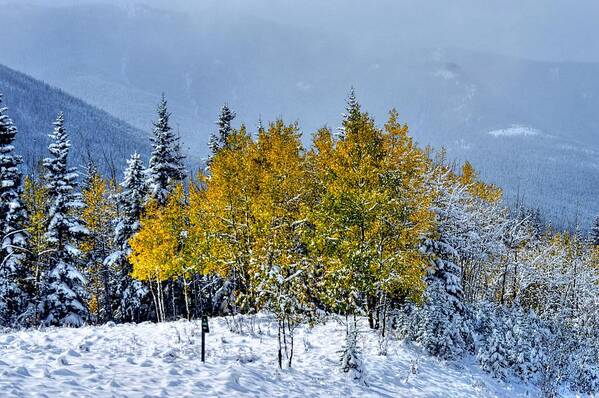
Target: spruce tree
x,y
493,356
64,297
352,116
166,162
594,235
219,140
527,355
351,358
129,293
443,328
14,278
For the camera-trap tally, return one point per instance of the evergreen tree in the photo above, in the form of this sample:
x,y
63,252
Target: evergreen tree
x,y
219,140
352,115
443,328
594,235
527,355
166,162
14,278
129,293
64,297
351,359
493,356
90,172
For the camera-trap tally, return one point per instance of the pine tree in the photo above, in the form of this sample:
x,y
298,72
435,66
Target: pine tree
x,y
129,293
166,167
443,329
64,300
527,355
14,275
220,140
352,115
351,359
594,235
493,355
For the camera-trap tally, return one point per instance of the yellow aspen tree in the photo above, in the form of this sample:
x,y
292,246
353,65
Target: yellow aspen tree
x,y
228,192
345,173
406,217
281,271
98,213
35,198
159,249
470,178
372,212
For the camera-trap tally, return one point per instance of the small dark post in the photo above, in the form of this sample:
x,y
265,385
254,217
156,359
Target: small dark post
x,y
205,329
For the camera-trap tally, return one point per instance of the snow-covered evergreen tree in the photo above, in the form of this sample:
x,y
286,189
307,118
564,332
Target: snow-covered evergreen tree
x,y
129,293
351,359
166,162
493,355
443,329
14,278
90,171
583,368
526,352
64,296
594,235
219,139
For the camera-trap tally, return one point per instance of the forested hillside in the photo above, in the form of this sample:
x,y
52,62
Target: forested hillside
x,y
95,134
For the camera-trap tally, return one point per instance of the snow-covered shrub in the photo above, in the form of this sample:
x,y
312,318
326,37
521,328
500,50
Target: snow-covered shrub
x,y
493,355
405,321
443,329
528,355
351,359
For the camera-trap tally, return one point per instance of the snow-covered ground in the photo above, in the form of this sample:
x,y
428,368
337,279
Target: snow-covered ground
x,y
160,360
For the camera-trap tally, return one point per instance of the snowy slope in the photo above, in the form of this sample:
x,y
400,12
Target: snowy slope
x,y
163,360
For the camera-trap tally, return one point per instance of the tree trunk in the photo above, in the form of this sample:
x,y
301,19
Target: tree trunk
x,y
280,349
291,342
107,295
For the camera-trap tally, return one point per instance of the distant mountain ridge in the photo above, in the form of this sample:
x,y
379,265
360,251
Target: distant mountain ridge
x,y
95,134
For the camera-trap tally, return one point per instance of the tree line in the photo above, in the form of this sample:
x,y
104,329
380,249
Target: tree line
x,y
363,222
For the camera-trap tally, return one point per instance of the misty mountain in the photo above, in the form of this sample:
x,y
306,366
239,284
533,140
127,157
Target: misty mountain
x,y
96,135
527,125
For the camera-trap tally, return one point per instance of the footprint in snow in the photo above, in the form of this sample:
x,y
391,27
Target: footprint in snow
x,y
22,371
64,372
62,360
73,353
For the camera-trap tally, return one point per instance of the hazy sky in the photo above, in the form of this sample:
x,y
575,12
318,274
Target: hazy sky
x,y
549,30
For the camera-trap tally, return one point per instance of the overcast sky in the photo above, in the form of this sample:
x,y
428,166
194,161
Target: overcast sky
x,y
549,30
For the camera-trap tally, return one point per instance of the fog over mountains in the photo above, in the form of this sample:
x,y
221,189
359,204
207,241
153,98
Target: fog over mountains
x,y
520,103
95,135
